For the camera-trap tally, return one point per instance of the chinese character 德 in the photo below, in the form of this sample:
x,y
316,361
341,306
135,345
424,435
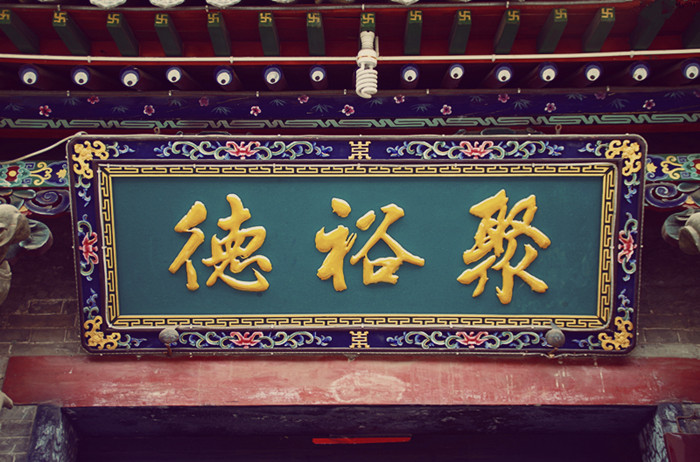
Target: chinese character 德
x,y
230,252
338,243
490,236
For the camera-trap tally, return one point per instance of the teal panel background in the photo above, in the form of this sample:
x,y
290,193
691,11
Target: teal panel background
x,y
437,226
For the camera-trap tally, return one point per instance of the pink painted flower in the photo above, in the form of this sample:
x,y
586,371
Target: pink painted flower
x,y
503,97
44,110
696,93
626,246
247,339
446,110
89,248
649,104
93,99
149,110
600,95
348,110
550,107
243,149
255,110
203,101
471,339
398,99
303,99
476,150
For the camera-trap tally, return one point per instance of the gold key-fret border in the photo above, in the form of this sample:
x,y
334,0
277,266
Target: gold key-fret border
x,y
607,171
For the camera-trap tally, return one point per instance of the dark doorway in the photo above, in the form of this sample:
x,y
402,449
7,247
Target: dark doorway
x,y
488,433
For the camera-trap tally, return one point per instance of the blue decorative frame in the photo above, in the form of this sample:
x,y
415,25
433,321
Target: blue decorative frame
x,y
627,153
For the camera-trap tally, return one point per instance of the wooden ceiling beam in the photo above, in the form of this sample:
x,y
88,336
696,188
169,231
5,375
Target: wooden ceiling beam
x,y
314,34
167,34
649,23
17,31
691,36
268,34
414,29
507,30
218,33
368,22
121,33
459,35
598,30
72,36
552,31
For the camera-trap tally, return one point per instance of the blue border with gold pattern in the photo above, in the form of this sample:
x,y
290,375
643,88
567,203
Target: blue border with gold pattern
x,y
626,153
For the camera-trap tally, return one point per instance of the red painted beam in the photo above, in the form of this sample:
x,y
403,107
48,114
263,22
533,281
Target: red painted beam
x,y
335,380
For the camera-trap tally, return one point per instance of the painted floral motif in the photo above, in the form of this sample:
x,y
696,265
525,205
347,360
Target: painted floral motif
x,y
93,99
257,339
303,99
203,101
44,110
471,340
243,149
626,247
600,95
503,97
649,104
446,110
550,107
265,151
247,339
398,99
89,248
493,341
348,110
149,110
255,111
503,149
477,150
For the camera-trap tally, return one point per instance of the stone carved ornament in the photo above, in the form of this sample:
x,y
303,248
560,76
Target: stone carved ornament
x,y
683,230
14,228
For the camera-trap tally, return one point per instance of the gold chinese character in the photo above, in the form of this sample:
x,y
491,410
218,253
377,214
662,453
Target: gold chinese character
x,y
359,339
231,251
388,265
196,215
490,236
338,243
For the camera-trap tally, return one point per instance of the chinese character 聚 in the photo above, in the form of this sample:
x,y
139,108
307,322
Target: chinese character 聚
x,y
490,236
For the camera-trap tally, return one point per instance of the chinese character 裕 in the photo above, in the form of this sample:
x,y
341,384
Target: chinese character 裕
x,y
337,245
490,236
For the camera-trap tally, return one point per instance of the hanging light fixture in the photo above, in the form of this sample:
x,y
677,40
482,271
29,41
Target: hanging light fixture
x,y
366,76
